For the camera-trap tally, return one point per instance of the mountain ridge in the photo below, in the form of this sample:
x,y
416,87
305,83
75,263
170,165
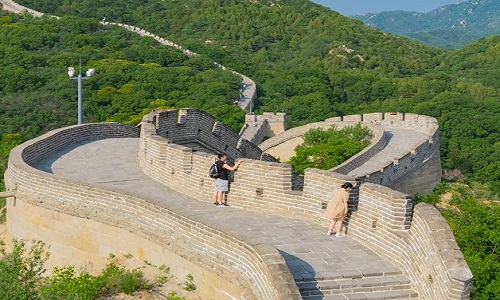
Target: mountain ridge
x,y
449,26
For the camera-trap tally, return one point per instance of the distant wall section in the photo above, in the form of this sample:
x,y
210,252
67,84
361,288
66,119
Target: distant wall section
x,y
416,171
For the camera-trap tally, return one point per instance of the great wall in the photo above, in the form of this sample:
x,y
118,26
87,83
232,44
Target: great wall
x,y
96,189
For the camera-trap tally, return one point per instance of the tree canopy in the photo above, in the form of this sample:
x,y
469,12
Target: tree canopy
x,y
304,55
325,149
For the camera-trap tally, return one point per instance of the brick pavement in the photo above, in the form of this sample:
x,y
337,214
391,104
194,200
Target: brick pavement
x,y
401,141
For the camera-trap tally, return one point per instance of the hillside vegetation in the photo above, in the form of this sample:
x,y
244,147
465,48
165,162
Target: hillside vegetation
x,y
313,63
450,26
307,61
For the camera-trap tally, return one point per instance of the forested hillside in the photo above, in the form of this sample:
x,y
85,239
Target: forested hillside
x,y
307,61
313,63
450,26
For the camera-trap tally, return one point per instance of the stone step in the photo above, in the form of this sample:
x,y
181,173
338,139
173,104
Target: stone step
x,y
354,285
378,295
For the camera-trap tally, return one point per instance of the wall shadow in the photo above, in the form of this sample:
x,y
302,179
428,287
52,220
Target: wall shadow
x,y
45,164
304,275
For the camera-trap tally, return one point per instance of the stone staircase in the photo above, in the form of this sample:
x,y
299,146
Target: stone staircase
x,y
378,286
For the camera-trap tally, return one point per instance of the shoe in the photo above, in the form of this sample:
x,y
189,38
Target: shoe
x,y
339,235
223,205
216,204
329,232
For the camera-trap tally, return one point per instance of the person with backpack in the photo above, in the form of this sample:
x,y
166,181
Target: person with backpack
x,y
220,172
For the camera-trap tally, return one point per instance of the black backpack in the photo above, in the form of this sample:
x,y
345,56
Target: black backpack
x,y
214,171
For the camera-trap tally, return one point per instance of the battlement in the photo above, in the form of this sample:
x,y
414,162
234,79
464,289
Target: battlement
x,y
267,186
395,171
200,131
421,243
258,127
122,221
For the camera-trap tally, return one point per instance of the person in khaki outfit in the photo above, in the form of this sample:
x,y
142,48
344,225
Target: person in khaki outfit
x,y
337,209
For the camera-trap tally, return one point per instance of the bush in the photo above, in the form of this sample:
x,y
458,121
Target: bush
x,y
189,284
21,270
119,280
64,284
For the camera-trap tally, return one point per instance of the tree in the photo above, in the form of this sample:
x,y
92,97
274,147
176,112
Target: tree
x,y
325,149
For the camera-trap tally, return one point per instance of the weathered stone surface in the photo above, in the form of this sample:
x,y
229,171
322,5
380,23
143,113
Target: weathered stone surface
x,y
224,241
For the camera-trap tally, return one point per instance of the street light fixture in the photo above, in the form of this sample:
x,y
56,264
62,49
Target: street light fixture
x,y
71,73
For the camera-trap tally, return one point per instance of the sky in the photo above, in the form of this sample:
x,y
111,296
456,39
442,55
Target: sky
x,y
358,7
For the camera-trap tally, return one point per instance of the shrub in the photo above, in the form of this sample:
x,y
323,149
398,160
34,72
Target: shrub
x,y
21,270
189,285
119,280
325,149
173,296
65,285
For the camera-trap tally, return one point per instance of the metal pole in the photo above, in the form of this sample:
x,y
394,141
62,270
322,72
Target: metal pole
x,y
79,99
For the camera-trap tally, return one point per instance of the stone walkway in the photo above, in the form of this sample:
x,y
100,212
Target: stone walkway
x,y
311,255
401,141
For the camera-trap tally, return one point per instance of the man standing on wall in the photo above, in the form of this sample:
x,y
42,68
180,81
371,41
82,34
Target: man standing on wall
x,y
221,184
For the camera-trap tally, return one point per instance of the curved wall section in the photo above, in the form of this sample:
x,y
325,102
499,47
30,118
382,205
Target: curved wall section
x,y
48,207
421,243
419,240
418,170
62,138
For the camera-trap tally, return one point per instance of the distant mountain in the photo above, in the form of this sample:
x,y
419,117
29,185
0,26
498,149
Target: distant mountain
x,y
450,26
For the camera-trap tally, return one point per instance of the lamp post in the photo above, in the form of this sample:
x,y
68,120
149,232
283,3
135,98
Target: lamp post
x,y
71,73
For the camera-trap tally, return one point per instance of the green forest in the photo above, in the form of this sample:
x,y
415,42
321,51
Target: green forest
x,y
306,60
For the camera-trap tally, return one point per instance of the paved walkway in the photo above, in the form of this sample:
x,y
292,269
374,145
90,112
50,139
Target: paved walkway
x,y
401,141
308,251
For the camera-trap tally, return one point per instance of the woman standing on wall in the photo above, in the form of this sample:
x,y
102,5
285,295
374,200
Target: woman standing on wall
x,y
337,209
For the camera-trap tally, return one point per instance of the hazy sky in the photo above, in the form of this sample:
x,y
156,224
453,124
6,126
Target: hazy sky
x,y
358,7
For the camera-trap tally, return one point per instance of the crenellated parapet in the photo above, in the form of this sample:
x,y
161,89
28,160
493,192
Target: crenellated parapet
x,y
200,131
413,167
416,237
380,217
85,222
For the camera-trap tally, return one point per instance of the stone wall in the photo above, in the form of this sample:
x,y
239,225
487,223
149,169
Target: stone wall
x,y
258,127
187,126
418,171
419,240
283,145
64,137
268,187
51,208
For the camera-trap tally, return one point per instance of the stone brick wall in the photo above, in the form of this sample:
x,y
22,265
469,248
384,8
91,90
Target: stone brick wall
x,y
266,125
191,125
420,241
401,172
418,171
253,269
283,145
61,138
268,187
